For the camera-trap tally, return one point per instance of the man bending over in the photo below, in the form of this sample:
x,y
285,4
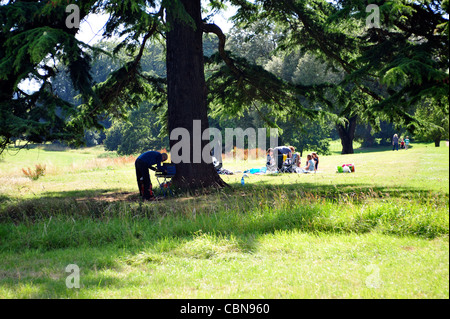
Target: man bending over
x,y
143,163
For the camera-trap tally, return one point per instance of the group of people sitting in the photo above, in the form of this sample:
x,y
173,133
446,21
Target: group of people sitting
x,y
283,156
278,158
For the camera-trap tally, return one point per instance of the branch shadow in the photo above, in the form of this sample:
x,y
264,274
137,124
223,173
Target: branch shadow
x,y
147,226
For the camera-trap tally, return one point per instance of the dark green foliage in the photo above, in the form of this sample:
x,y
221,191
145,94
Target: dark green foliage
x,y
369,136
36,44
434,116
233,91
386,71
408,55
33,37
310,135
139,134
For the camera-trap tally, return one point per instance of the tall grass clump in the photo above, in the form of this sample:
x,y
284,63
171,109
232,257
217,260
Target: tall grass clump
x,y
39,170
55,222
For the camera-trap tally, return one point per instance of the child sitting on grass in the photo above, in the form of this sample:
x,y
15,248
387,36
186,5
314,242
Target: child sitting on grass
x,y
310,165
315,159
270,161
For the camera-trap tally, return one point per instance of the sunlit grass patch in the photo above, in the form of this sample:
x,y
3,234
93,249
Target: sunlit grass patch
x,y
381,232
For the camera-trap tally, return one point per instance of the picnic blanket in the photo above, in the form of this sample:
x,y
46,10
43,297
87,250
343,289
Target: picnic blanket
x,y
256,171
263,170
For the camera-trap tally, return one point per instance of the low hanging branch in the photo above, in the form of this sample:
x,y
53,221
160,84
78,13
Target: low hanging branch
x,y
111,90
240,74
213,28
267,87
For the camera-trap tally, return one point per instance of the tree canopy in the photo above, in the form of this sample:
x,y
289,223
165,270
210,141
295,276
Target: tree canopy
x,y
387,69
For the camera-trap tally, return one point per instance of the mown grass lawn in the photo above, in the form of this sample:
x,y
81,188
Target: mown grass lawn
x,y
381,232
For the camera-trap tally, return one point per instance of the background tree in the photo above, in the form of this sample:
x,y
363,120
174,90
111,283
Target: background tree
x,y
408,56
39,30
139,134
103,64
308,70
257,44
434,115
34,38
387,69
311,136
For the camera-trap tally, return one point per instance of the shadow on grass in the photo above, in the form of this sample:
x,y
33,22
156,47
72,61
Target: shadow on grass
x,y
373,149
63,203
357,192
3,198
108,229
237,212
83,203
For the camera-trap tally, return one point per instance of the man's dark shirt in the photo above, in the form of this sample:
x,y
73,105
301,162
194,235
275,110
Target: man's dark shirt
x,y
282,150
151,158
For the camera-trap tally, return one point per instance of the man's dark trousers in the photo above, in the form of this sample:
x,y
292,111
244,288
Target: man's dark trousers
x,y
144,184
395,147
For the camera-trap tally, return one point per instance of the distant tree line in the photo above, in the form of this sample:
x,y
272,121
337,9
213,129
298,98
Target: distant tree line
x,y
304,66
145,127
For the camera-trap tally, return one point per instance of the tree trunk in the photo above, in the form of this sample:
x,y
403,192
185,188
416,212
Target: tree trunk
x,y
347,135
437,142
187,93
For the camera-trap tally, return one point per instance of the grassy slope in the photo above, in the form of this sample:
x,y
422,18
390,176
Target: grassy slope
x,y
379,233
